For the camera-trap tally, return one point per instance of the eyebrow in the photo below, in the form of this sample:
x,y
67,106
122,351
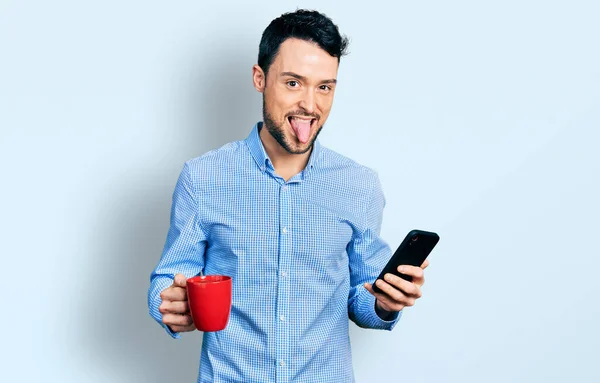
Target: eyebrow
x,y
302,78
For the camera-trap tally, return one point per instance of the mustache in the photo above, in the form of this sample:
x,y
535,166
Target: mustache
x,y
303,114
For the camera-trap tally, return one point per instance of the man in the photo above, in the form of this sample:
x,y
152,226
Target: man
x,y
295,225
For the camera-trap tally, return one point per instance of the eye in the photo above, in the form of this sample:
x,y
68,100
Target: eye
x,y
292,83
325,88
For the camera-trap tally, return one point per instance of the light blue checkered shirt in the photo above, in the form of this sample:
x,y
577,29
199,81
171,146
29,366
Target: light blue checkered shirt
x,y
298,252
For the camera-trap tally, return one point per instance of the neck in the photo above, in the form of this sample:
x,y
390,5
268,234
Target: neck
x,y
286,164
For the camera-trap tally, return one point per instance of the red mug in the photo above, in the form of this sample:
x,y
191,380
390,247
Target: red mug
x,y
209,298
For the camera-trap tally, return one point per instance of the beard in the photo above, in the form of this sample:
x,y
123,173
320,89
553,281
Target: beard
x,y
278,131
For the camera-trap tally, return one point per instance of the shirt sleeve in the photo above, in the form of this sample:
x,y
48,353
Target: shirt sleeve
x,y
368,254
184,247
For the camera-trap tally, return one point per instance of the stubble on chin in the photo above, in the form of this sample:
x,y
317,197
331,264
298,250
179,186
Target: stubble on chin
x,y
278,133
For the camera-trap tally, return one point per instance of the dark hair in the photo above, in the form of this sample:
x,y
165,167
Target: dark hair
x,y
305,25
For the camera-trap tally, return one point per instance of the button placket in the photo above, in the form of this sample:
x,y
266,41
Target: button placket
x,y
283,287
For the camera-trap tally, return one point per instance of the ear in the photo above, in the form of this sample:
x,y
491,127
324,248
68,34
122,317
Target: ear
x,y
258,78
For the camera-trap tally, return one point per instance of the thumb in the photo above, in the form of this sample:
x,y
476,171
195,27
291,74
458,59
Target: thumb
x,y
179,280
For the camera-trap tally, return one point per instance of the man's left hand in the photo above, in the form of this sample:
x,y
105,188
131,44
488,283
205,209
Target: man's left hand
x,y
397,292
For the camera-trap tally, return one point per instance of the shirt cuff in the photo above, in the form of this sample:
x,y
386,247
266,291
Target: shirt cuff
x,y
174,335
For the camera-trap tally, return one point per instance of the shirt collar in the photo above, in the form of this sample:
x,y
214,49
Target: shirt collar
x,y
257,150
256,147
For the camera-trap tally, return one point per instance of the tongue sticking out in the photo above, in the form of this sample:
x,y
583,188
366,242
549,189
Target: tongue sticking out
x,y
301,128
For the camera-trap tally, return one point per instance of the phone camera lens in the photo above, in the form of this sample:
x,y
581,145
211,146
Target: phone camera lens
x,y
415,238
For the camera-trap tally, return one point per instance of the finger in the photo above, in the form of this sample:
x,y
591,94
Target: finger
x,y
384,300
180,280
369,288
174,293
174,307
177,320
393,293
388,304
413,271
191,327
417,273
425,264
408,288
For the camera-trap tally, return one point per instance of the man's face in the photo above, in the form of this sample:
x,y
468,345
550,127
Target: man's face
x,y
298,94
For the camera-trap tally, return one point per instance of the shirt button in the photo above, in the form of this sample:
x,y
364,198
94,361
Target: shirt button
x,y
284,230
283,273
284,188
281,363
282,318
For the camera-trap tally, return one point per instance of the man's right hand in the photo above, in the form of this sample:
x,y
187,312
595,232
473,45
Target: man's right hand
x,y
174,307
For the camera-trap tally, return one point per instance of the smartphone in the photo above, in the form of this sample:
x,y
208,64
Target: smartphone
x,y
413,250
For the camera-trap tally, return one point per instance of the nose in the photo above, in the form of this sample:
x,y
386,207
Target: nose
x,y
308,101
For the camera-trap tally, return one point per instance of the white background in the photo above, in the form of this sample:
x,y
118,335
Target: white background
x,y
481,118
